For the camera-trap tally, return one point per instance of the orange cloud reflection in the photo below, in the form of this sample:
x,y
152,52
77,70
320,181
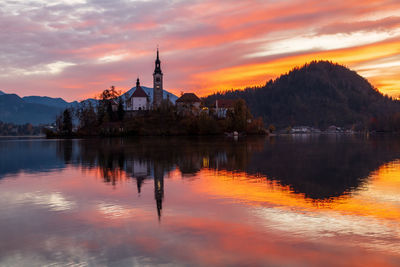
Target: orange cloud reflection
x,y
240,187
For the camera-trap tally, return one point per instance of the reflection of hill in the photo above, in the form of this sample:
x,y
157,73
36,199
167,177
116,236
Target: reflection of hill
x,y
326,166
320,167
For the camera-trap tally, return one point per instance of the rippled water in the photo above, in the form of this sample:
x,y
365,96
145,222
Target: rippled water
x,y
287,201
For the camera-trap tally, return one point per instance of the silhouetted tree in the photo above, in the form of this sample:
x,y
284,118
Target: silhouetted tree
x,y
207,124
87,117
110,112
105,112
109,94
120,111
66,126
239,116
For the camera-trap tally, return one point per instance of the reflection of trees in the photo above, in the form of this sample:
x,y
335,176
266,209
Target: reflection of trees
x,y
112,164
321,167
64,150
137,156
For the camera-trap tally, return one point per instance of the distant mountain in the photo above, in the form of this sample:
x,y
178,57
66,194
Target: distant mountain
x,y
49,101
318,94
43,110
149,92
14,109
91,101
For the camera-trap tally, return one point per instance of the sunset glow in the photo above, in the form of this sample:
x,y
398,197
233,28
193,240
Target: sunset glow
x,y
274,210
75,48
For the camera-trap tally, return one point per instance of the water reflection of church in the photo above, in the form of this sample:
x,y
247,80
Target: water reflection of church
x,y
142,170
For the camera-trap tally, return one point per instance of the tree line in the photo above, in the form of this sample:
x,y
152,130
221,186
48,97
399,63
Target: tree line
x,y
101,118
11,129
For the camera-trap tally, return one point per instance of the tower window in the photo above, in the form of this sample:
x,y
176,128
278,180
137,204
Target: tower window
x,y
158,79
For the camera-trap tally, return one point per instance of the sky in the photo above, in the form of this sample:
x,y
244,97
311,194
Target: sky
x,y
74,49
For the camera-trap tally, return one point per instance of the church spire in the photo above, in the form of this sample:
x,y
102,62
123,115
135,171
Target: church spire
x,y
137,83
157,83
158,64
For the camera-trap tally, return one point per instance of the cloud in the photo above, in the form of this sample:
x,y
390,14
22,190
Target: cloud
x,y
112,42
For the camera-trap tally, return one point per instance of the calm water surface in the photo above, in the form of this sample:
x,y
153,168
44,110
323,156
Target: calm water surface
x,y
285,201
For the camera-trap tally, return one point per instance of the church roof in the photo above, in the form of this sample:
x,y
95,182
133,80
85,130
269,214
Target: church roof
x,y
188,98
225,103
139,92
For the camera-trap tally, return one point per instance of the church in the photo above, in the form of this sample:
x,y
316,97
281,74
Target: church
x,y
144,98
140,100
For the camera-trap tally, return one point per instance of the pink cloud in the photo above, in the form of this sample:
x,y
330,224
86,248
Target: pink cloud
x,y
195,37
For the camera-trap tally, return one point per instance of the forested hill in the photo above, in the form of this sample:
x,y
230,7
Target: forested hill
x,y
318,94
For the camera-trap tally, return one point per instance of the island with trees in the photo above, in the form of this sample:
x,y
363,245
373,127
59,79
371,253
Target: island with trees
x,y
109,117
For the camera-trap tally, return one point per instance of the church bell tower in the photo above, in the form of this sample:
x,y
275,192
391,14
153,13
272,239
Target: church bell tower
x,y
157,83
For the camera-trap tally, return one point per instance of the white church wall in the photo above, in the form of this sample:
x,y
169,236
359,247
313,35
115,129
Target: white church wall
x,y
138,103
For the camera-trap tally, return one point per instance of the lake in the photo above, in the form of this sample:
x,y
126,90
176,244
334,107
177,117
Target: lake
x,y
301,200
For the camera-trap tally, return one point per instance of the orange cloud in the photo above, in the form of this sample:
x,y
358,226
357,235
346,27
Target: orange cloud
x,y
258,73
205,46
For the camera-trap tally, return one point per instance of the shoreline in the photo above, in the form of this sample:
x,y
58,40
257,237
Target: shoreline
x,y
186,135
23,136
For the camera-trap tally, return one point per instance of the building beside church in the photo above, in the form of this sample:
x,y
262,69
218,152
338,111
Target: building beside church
x,y
139,100
188,103
223,106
